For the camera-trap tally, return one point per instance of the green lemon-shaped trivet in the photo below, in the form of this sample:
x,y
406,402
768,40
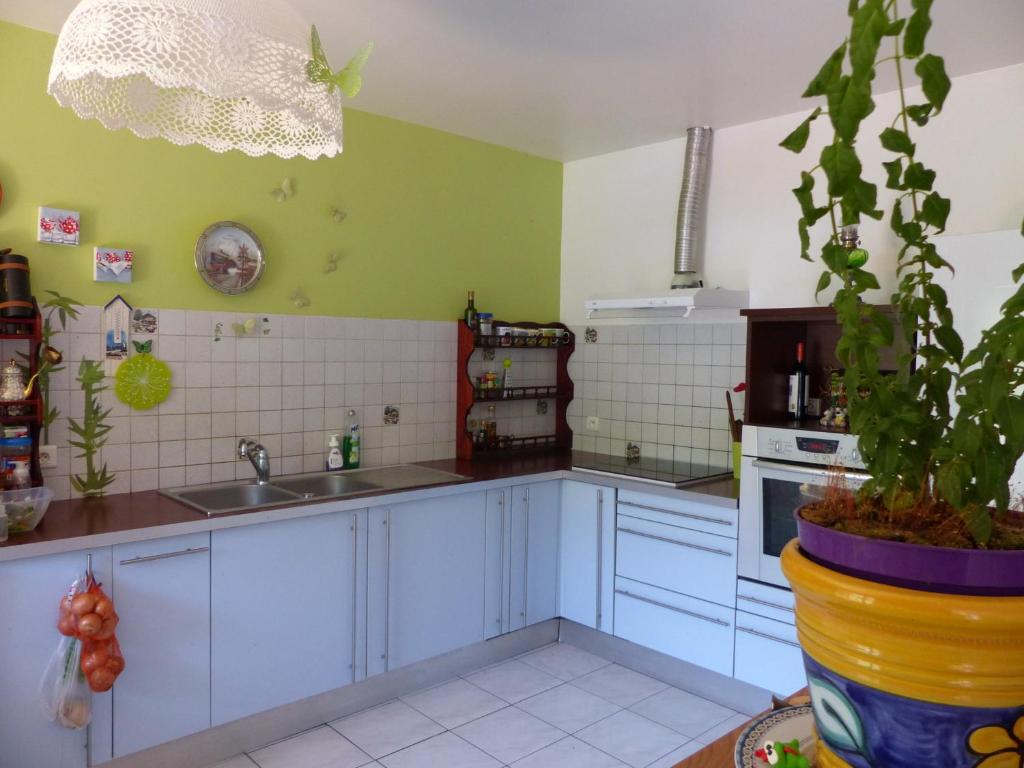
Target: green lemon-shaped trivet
x,y
142,381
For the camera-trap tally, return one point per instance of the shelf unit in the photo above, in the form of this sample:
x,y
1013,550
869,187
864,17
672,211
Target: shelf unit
x,y
467,395
29,329
772,336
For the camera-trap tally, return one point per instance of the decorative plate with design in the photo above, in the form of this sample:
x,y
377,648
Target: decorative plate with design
x,y
229,257
782,725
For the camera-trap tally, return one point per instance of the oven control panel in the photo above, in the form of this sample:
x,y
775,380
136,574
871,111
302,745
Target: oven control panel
x,y
825,448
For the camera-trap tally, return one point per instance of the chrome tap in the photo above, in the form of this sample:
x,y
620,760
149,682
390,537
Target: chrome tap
x,y
258,456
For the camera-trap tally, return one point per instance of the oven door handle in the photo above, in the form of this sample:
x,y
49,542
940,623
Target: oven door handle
x,y
798,469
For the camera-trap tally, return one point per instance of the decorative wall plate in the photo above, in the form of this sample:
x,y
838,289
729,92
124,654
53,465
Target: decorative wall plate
x,y
229,257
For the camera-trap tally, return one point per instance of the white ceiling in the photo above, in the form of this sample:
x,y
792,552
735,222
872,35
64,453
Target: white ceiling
x,y
567,79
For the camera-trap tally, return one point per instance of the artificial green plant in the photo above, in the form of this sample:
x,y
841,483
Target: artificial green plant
x,y
92,431
918,454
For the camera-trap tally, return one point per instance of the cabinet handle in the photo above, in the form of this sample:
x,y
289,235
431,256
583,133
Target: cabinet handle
x,y
712,550
695,615
766,636
702,518
387,587
765,603
526,557
165,555
501,557
600,557
355,591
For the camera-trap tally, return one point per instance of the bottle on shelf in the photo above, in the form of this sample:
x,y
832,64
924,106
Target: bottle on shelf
x,y
470,315
350,443
506,379
797,400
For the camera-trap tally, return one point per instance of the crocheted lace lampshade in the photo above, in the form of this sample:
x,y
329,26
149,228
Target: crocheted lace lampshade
x,y
227,74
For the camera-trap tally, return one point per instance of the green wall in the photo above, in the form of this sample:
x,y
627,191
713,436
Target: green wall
x,y
430,214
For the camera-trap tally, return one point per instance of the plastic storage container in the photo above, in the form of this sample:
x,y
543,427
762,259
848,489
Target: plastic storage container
x,y
25,507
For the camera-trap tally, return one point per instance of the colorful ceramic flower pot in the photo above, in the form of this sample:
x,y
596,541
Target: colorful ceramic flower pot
x,y
907,678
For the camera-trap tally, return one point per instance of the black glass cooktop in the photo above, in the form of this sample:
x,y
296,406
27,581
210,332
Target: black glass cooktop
x,y
649,469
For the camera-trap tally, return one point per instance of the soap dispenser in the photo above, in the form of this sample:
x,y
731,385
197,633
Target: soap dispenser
x,y
334,458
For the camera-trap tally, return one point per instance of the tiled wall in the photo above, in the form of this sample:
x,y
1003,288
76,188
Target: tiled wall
x,y
289,388
659,386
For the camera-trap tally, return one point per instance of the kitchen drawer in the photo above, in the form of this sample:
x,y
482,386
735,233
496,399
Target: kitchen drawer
x,y
684,627
681,512
768,654
678,559
764,600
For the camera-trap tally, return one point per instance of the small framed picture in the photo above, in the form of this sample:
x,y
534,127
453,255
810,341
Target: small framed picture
x,y
58,226
112,265
229,257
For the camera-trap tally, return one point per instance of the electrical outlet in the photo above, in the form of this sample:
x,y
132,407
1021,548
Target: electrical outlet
x,y
593,423
48,456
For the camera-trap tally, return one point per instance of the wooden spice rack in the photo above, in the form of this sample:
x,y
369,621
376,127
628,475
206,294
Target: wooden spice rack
x,y
561,393
29,412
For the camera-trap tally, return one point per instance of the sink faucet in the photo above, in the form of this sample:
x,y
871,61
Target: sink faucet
x,y
257,454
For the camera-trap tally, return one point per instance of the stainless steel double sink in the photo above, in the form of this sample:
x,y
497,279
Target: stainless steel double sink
x,y
240,495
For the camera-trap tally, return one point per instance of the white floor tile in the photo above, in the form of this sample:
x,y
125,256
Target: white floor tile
x,y
509,734
568,708
619,685
677,755
318,748
444,751
569,753
682,711
722,728
513,680
632,739
386,729
455,703
238,761
566,662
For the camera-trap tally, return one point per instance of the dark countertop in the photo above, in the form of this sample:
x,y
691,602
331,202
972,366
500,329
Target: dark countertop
x,y
125,512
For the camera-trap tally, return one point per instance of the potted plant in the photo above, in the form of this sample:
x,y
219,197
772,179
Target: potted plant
x,y
910,592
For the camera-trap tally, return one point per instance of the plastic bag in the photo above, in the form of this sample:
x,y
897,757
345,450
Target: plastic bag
x,y
63,692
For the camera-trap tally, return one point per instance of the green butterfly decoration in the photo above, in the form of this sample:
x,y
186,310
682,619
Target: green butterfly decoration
x,y
332,262
349,79
337,214
299,299
283,192
143,347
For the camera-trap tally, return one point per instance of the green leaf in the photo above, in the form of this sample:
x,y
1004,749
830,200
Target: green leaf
x,y
894,173
803,195
1017,273
934,80
950,340
870,23
978,521
805,240
836,716
919,113
918,177
842,167
935,210
895,27
828,73
866,195
849,102
823,282
896,140
948,481
917,28
797,140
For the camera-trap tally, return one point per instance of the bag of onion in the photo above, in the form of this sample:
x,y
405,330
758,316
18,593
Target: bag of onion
x,y
63,692
90,617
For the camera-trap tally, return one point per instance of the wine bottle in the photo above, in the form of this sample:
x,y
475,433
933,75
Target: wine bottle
x,y
798,385
470,314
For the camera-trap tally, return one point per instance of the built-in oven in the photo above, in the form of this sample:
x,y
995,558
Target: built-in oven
x,y
783,469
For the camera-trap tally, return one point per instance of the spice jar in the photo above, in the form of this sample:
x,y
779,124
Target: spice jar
x,y
15,288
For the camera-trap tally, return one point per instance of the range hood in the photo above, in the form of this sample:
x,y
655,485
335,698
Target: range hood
x,y
687,291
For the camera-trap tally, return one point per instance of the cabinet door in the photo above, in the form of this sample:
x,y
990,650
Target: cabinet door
x,y
32,589
496,563
283,598
435,577
162,592
534,544
587,554
768,654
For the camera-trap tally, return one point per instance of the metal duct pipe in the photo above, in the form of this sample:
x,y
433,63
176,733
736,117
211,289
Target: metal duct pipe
x,y
692,195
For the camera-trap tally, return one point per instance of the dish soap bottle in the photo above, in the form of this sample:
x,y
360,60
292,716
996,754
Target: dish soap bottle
x,y
350,444
334,459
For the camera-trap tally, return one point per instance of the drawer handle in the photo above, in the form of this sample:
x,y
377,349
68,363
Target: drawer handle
x,y
700,616
165,555
766,636
765,603
702,518
702,548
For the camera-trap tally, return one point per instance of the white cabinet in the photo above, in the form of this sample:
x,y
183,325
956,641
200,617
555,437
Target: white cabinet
x,y
767,650
434,597
283,607
162,592
533,580
586,555
32,589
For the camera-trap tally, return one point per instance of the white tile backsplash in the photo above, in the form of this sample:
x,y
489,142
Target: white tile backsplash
x,y
289,383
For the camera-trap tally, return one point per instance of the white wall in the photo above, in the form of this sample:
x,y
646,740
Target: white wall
x,y
619,210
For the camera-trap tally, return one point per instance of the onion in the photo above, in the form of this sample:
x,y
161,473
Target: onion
x,y
116,664
95,659
104,608
66,625
101,679
107,630
83,604
89,624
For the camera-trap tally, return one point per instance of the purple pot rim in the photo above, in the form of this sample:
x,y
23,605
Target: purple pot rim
x,y
924,567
